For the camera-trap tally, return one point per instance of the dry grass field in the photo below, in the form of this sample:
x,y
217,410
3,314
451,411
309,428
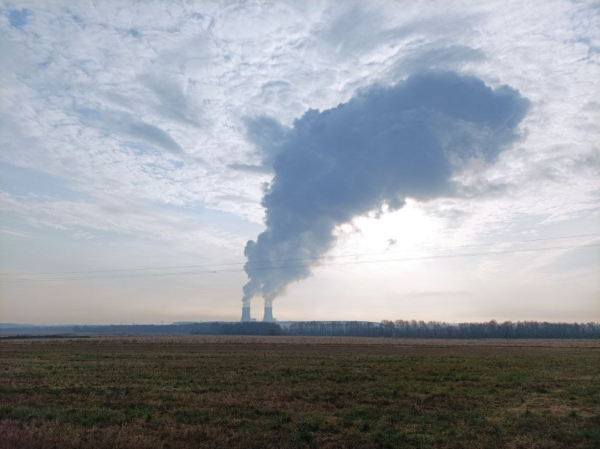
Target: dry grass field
x,y
161,392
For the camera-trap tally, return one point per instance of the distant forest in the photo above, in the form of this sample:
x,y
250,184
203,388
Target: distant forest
x,y
436,329
210,328
389,329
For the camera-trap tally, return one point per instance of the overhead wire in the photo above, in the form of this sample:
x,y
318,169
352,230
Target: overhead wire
x,y
442,248
238,270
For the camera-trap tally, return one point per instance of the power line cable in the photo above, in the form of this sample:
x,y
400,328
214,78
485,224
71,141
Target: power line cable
x,y
304,258
239,270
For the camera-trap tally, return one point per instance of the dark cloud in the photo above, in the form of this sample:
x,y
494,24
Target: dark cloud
x,y
384,145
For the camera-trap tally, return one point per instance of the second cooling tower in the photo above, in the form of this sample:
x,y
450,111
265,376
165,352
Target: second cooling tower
x,y
268,314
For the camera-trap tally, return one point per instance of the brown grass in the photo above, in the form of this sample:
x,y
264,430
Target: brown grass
x,y
202,391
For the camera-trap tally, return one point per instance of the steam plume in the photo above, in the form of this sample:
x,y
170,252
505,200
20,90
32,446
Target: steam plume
x,y
382,146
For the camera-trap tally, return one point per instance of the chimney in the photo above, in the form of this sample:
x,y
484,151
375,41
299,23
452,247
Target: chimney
x,y
246,314
268,315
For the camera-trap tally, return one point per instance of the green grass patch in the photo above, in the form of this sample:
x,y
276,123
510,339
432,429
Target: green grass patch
x,y
105,393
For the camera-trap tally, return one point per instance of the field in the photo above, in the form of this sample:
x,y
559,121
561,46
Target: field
x,y
298,392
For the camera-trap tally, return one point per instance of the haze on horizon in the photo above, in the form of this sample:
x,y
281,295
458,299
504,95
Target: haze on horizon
x,y
410,160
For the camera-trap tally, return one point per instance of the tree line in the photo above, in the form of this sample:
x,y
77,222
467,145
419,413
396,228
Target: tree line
x,y
387,328
208,328
436,329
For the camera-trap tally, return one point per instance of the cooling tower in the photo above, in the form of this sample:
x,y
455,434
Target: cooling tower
x,y
268,315
246,314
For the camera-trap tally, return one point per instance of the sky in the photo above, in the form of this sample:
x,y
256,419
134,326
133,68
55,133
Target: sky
x,y
161,161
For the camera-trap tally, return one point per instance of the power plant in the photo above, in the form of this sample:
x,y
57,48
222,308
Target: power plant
x,y
267,318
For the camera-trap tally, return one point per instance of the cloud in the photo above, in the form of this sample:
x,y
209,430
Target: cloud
x,y
267,135
354,31
153,134
118,215
384,145
15,233
173,103
250,168
196,72
434,57
126,125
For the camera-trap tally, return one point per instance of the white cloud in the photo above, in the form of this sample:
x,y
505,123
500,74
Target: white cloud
x,y
129,218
